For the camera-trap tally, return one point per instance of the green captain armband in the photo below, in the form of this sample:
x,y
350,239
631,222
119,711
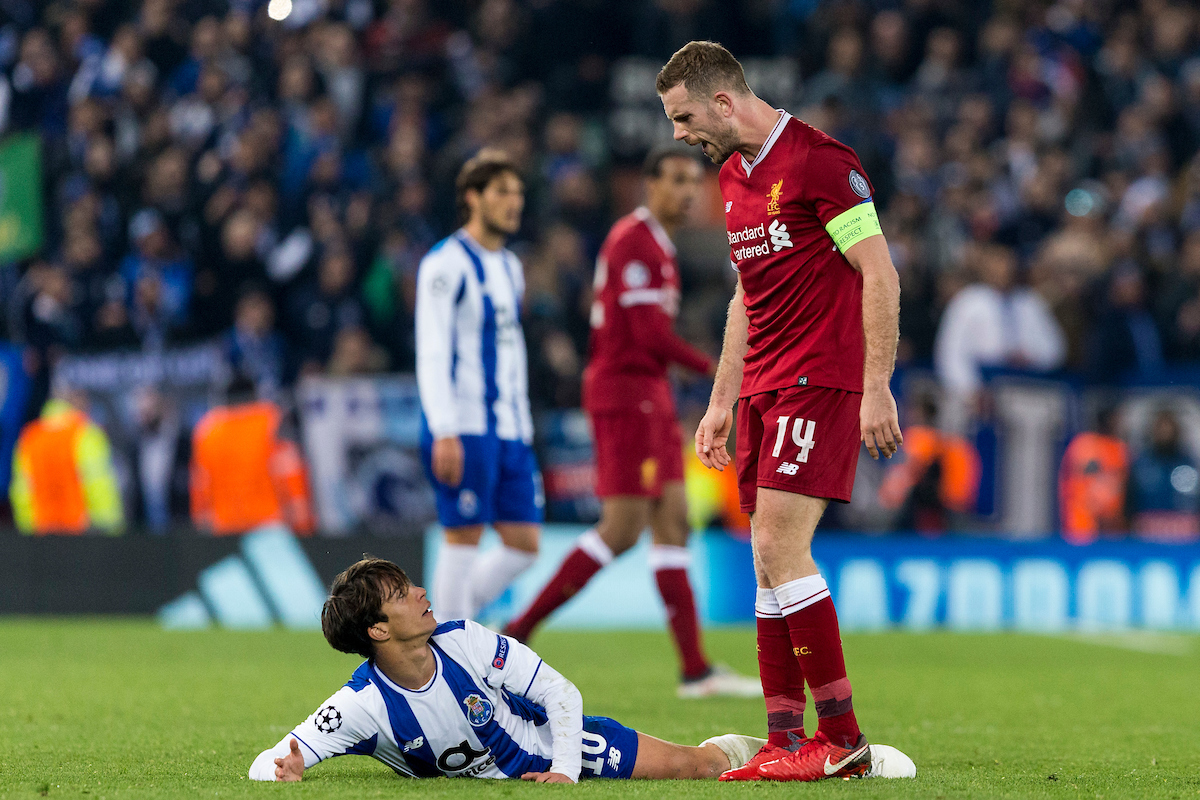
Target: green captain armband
x,y
853,225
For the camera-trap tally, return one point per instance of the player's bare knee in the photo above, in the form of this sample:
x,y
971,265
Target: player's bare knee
x,y
670,531
468,535
618,535
519,536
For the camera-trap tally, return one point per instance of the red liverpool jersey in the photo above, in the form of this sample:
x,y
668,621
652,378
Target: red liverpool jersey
x,y
786,215
637,298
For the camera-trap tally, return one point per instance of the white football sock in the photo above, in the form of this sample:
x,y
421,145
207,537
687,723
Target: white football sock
x,y
590,542
494,571
801,593
669,556
451,581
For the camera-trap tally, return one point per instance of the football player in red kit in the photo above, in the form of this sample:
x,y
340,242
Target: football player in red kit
x,y
810,344
639,447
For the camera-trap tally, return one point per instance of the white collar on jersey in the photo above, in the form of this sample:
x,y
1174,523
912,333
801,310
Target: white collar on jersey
x,y
437,670
766,148
656,228
475,246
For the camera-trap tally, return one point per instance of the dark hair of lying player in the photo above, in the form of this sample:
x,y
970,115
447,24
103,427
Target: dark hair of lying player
x,y
356,603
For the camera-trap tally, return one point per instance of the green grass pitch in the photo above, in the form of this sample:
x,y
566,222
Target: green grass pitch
x,y
117,708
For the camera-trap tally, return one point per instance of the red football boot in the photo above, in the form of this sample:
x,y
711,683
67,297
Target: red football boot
x,y
820,758
749,772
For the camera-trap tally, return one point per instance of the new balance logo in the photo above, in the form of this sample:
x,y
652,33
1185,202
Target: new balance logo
x,y
614,759
780,238
788,468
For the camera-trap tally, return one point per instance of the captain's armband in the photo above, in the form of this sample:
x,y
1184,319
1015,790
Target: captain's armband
x,y
853,225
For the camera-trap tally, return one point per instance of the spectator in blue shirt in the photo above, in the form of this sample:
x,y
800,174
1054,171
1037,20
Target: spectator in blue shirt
x,y
159,276
1163,484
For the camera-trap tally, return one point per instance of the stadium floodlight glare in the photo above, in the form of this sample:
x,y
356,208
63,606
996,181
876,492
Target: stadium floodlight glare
x,y
278,10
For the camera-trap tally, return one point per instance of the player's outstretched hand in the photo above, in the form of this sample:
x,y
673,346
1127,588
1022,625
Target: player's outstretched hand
x,y
448,460
546,777
879,424
290,768
711,436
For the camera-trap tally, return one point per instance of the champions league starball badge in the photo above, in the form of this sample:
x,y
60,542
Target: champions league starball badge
x,y
328,719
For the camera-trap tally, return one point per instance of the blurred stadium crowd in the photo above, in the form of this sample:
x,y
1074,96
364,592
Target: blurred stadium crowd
x,y
214,174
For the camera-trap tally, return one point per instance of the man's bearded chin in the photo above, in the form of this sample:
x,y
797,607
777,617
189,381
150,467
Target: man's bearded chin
x,y
497,225
722,145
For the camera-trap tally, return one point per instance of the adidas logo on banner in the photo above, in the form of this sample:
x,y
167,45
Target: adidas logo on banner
x,y
271,581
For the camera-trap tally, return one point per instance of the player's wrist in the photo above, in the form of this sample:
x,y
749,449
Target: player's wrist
x,y
876,385
566,772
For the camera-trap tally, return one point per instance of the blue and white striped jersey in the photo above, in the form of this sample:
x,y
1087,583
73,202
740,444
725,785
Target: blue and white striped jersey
x,y
472,371
482,715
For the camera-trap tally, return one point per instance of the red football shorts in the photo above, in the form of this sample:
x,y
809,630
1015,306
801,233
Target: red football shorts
x,y
802,439
637,450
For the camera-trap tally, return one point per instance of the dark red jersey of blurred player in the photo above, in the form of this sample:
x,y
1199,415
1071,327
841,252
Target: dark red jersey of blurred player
x,y
637,298
784,213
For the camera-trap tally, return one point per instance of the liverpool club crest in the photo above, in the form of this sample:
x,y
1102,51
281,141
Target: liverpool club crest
x,y
773,198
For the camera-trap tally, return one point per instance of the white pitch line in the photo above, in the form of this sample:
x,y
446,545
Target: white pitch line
x,y
1139,641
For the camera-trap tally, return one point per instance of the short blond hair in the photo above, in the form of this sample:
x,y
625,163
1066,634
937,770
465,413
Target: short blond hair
x,y
703,68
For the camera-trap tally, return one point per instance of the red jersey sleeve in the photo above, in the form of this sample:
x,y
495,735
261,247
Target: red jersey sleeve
x,y
834,181
653,328
644,294
633,279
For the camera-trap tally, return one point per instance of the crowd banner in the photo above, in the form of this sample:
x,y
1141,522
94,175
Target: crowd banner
x,y
200,369
362,438
568,465
20,196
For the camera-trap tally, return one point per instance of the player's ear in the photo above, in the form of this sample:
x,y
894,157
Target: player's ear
x,y
378,632
724,101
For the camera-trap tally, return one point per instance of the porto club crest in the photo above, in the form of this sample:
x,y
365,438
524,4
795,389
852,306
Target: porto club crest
x,y
479,710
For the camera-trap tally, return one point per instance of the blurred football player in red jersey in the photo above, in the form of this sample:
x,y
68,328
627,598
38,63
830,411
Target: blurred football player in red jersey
x,y
639,447
810,343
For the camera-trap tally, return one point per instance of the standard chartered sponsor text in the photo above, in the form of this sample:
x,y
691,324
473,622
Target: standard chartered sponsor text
x,y
749,234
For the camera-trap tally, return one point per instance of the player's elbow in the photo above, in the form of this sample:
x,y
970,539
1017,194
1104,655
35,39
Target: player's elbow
x,y
570,701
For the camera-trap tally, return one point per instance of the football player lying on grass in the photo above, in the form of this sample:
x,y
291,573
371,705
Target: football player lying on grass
x,y
456,699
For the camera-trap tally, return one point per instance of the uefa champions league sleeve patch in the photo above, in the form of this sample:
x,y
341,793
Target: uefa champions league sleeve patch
x,y
328,719
859,184
501,653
